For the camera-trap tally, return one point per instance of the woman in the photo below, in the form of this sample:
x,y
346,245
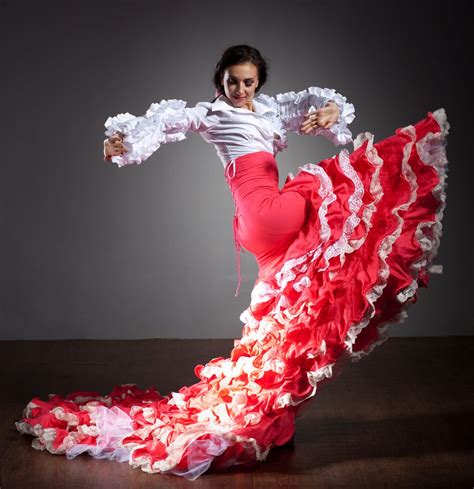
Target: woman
x,y
341,250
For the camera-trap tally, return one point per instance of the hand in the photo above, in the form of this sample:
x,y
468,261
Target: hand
x,y
325,117
114,146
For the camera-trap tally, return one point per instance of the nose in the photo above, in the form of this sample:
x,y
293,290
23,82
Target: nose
x,y
241,89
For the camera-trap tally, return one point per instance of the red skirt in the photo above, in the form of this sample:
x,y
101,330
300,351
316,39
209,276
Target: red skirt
x,y
342,249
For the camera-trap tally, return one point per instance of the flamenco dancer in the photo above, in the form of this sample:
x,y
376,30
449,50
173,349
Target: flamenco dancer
x,y
341,250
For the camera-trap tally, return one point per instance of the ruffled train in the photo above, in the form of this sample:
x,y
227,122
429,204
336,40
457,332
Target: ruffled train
x,y
326,291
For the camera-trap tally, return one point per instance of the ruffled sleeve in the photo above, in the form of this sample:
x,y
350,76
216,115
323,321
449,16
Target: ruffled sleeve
x,y
293,105
164,122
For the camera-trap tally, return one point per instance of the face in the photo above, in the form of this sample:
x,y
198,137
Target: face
x,y
240,82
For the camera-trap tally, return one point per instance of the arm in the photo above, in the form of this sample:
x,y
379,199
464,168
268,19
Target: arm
x,y
294,109
164,122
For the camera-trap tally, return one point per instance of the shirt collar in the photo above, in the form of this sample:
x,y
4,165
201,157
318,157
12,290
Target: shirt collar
x,y
221,103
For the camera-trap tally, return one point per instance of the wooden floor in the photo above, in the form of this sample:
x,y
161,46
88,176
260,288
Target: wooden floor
x,y
403,417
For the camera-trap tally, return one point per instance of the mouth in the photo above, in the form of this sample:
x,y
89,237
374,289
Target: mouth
x,y
239,98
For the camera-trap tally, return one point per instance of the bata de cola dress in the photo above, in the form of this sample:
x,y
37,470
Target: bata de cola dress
x,y
341,250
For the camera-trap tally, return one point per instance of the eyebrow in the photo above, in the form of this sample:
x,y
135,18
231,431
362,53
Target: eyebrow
x,y
246,79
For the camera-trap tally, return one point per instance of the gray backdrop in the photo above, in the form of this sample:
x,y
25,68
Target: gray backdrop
x,y
90,250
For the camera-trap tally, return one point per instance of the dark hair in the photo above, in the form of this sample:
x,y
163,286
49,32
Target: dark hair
x,y
238,54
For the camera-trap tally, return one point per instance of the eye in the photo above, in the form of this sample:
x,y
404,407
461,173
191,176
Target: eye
x,y
231,81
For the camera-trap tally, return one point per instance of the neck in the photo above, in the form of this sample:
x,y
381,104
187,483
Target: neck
x,y
248,105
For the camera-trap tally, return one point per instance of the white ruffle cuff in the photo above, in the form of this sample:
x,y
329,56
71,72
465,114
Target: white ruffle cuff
x,y
164,122
293,105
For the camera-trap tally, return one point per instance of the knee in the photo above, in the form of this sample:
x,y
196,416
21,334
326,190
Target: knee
x,y
285,213
293,208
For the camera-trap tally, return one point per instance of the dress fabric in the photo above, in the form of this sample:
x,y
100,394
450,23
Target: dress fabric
x,y
341,248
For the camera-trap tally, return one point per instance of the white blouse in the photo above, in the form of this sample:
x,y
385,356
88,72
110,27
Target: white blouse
x,y
234,131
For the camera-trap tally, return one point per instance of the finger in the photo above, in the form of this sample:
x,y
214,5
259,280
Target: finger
x,y
308,126
312,121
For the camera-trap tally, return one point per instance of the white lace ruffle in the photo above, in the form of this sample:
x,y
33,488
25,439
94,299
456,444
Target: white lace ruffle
x,y
293,105
272,113
164,122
